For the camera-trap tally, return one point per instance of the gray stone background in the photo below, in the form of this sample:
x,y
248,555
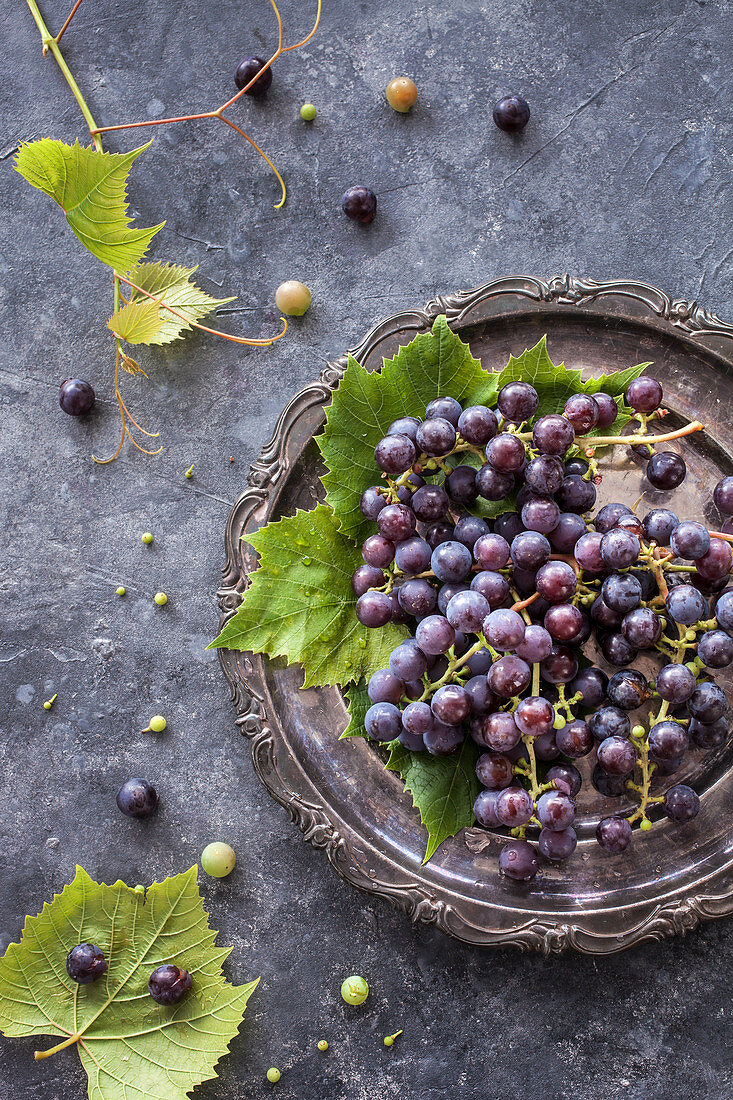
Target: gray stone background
x,y
623,171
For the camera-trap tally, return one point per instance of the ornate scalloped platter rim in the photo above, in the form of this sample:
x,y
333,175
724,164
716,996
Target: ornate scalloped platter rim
x,y
380,860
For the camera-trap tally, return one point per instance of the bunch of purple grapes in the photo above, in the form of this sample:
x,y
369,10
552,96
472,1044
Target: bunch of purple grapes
x,y
501,613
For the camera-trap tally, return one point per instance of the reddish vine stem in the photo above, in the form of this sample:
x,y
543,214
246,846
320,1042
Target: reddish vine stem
x,y
69,17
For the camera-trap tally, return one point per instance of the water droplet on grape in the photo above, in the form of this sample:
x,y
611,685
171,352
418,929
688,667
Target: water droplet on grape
x,y
362,643
307,561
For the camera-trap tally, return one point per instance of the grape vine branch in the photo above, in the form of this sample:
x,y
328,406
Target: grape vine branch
x,y
202,303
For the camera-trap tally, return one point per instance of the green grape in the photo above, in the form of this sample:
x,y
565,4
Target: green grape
x,y
354,990
157,724
147,538
273,1075
218,859
161,599
293,298
121,590
307,112
322,1044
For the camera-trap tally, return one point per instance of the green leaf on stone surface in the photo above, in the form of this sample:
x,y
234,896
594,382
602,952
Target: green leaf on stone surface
x,y
357,704
555,383
130,1047
91,189
137,323
172,284
443,788
300,604
434,364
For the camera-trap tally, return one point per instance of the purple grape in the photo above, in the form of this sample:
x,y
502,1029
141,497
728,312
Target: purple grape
x,y
413,742
557,845
609,722
536,645
609,515
518,401
383,721
430,502
360,204
723,496
497,731
561,666
603,615
396,522
413,555
445,407
408,661
681,803
76,396
435,635
708,736
614,834
607,409
556,581
385,687
591,683
505,454
724,611
366,577
545,474
553,434
628,689
395,454
707,703
668,740
621,592
451,561
518,860
467,611
404,425
417,597
644,394
511,114
493,485
555,810
642,628
658,525
436,437
399,615
477,425
374,609
469,529
451,704
534,716
616,755
460,484
675,683
447,592
85,963
480,662
715,565
617,650
169,984
504,629
530,550
582,412
508,525
443,740
491,551
484,808
514,807
576,495
248,69
715,649
509,676
666,470
689,540
620,548
540,514
686,605
137,798
372,502
494,770
588,552
480,695
610,786
438,533
545,746
574,739
378,551
563,622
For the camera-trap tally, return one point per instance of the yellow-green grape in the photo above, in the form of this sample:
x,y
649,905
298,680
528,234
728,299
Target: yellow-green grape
x,y
273,1075
157,724
307,112
147,538
293,298
389,1039
121,590
50,702
638,731
189,471
218,859
322,1044
161,599
645,825
401,94
354,990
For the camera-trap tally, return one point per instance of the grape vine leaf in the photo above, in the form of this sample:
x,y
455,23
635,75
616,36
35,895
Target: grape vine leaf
x,y
137,323
443,788
434,364
556,382
300,604
172,284
357,704
130,1047
91,189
